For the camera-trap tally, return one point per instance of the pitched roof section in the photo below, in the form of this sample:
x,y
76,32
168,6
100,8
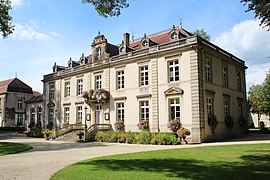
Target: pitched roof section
x,y
35,99
14,85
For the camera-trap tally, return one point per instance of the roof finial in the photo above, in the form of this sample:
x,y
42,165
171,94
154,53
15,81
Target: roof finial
x,y
99,33
180,22
15,74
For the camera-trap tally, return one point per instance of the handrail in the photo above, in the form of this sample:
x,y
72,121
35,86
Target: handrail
x,y
70,128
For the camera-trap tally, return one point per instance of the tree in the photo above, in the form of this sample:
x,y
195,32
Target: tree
x,y
107,8
266,91
261,9
5,19
202,33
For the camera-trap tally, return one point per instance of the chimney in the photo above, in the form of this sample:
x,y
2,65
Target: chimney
x,y
126,39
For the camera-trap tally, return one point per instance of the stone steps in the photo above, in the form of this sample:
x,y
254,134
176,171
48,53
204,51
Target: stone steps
x,y
69,137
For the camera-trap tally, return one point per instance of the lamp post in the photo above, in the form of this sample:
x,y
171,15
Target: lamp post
x,y
85,125
55,125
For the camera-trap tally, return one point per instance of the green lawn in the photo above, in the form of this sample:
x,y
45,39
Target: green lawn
x,y
221,162
12,148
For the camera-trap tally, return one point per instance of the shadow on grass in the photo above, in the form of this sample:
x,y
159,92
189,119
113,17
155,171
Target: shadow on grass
x,y
248,167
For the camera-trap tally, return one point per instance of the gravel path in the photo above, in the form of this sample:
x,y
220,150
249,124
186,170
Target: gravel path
x,y
47,157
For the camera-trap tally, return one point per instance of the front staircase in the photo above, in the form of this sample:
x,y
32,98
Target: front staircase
x,y
69,134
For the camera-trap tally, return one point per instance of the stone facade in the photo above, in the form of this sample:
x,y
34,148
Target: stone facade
x,y
168,75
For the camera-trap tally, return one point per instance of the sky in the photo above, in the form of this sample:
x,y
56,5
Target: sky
x,y
49,31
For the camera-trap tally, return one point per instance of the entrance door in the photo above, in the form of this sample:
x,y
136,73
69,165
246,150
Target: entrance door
x,y
98,114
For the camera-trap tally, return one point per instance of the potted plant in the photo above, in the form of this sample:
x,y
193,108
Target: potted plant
x,y
80,134
119,125
143,125
174,124
47,134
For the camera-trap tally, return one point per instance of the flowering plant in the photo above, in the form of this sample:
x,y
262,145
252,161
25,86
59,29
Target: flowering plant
x,y
119,125
98,94
174,125
85,95
143,125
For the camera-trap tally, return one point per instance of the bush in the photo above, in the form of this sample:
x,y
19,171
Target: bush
x,y
131,138
212,122
47,133
143,137
100,136
264,131
35,132
121,138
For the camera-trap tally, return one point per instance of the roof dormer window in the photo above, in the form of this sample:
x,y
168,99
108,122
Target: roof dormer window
x,y
174,35
145,43
98,53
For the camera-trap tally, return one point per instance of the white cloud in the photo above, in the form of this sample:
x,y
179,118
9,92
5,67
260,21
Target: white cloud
x,y
17,3
250,42
30,32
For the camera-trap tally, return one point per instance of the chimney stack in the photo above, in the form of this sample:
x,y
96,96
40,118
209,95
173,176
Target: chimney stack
x,y
126,39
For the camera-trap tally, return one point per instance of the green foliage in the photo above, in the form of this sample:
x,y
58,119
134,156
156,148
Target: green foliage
x,y
47,132
174,125
5,19
202,33
261,9
12,148
212,122
143,125
247,161
143,137
130,137
183,132
100,136
229,121
107,8
35,132
119,126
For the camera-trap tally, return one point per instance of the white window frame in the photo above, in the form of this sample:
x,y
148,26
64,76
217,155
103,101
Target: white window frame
x,y
174,108
51,91
144,76
66,114
226,107
67,89
208,70
98,53
32,115
120,79
79,113
174,36
98,81
79,87
225,76
20,118
144,110
145,43
210,105
20,104
120,111
174,68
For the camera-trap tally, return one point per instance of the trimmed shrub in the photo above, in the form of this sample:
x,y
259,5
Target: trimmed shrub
x,y
35,132
143,137
130,138
100,136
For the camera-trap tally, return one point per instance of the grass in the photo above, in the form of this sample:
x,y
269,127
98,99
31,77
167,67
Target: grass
x,y
220,162
12,148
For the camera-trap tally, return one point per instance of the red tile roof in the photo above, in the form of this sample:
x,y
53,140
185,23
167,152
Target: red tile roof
x,y
14,85
36,93
4,85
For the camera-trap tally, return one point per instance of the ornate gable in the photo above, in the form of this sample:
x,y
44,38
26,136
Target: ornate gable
x,y
173,91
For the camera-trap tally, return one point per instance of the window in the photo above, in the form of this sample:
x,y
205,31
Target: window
x,y
173,71
174,35
226,108
39,116
50,119
174,108
51,91
209,104
66,115
79,114
20,104
67,89
120,79
239,81
240,109
144,110
98,82
144,76
98,53
79,87
145,43
208,70
32,115
225,76
19,119
120,116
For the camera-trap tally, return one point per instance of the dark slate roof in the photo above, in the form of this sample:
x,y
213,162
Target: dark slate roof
x,y
14,85
35,99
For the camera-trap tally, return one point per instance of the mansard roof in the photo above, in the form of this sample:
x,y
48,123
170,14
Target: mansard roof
x,y
14,85
35,99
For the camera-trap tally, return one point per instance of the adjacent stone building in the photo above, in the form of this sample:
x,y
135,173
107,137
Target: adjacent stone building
x,y
13,94
160,77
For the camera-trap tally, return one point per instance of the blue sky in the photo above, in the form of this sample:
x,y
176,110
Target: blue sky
x,y
48,31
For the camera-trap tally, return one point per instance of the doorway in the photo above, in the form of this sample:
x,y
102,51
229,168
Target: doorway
x,y
98,114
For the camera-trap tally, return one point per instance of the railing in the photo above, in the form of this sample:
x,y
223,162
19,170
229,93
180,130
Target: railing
x,y
70,128
93,129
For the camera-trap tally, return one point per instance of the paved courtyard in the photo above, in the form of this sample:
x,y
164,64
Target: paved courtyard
x,y
47,157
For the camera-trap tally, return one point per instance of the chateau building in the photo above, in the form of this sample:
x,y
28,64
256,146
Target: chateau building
x,y
168,75
13,94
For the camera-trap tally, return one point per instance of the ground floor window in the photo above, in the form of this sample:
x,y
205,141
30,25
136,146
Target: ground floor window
x,y
120,111
66,115
144,110
209,104
19,119
174,108
226,108
79,114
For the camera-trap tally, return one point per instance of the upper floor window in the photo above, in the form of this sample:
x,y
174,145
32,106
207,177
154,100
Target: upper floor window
x,y
174,35
32,115
225,76
208,70
51,91
239,81
98,82
67,89
79,87
120,111
144,76
144,110
209,105
20,104
98,53
120,79
173,70
174,108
